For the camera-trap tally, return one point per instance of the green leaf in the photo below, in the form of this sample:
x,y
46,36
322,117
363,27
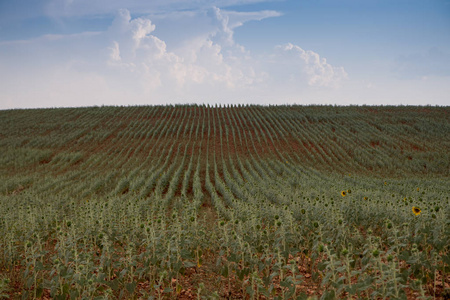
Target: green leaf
x,y
290,293
101,277
39,266
25,295
189,264
39,292
122,273
233,258
261,266
286,283
264,291
302,296
250,291
131,287
351,290
114,284
30,282
66,289
185,254
328,295
321,266
74,294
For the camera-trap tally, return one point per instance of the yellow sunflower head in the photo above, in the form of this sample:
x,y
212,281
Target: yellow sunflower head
x,y
416,210
344,193
365,198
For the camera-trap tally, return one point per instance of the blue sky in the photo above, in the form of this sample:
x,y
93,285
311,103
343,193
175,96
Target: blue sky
x,y
92,52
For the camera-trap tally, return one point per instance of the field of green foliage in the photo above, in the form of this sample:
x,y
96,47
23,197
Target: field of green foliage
x,y
225,202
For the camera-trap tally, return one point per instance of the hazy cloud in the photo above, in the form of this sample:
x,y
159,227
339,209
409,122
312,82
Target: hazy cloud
x,y
68,8
227,21
434,62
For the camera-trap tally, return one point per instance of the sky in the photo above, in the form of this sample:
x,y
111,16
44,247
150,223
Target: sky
x,y
71,53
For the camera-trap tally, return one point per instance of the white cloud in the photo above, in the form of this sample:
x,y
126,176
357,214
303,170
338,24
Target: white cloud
x,y
69,8
135,50
130,64
49,37
309,65
227,21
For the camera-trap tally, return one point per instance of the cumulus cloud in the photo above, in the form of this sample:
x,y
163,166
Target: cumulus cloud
x,y
136,50
306,65
214,59
130,63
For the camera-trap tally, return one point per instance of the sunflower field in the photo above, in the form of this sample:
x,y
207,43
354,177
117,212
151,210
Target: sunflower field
x,y
225,202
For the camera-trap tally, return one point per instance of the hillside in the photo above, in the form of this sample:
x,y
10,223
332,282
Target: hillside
x,y
241,201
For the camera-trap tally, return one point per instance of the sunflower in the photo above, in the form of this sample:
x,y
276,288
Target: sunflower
x,y
416,210
365,198
344,193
